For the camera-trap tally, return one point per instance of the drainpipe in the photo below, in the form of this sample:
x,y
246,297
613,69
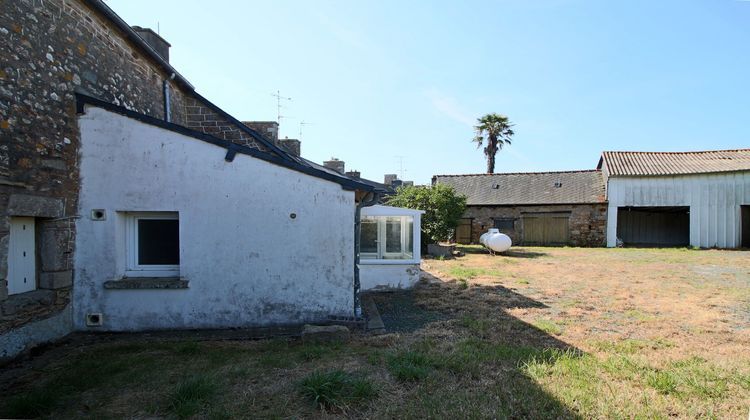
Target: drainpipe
x,y
368,200
167,107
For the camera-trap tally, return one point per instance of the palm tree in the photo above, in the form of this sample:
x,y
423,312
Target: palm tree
x,y
496,129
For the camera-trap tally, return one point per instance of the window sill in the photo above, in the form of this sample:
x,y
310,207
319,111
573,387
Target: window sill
x,y
147,283
388,262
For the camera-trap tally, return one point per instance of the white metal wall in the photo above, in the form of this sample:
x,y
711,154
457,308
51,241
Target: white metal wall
x,y
714,201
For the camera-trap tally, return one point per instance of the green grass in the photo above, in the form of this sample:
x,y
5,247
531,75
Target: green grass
x,y
410,365
548,326
190,395
468,273
336,389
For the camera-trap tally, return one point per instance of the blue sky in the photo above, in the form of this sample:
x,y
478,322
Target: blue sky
x,y
388,81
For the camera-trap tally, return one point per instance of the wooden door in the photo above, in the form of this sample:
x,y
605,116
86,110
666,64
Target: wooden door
x,y
546,229
463,231
21,256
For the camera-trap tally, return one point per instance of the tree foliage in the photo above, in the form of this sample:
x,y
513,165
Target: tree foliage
x,y
493,131
443,208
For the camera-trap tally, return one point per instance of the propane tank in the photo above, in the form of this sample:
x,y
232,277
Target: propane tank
x,y
498,242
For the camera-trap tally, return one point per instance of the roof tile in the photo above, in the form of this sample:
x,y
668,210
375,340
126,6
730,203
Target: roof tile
x,y
676,163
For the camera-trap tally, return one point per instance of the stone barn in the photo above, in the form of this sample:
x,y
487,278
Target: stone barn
x,y
534,208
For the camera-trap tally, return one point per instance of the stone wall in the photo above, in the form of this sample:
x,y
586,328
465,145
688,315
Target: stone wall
x,y
48,51
588,222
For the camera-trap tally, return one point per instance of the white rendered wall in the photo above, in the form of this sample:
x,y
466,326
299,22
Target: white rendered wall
x,y
388,277
714,201
248,262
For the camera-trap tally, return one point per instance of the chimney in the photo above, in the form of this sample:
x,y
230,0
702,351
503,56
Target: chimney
x,y
354,174
292,146
159,44
335,164
389,178
267,129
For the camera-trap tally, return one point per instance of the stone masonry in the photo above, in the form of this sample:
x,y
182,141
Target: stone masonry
x,y
48,51
588,222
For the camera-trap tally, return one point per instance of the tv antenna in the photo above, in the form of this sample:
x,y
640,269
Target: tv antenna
x,y
301,124
401,169
279,98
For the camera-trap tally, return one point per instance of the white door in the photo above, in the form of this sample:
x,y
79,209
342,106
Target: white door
x,y
21,257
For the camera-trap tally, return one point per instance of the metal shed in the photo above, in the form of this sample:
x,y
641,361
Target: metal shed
x,y
699,199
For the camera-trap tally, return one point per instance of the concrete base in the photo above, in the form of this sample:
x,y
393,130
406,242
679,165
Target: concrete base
x,y
16,341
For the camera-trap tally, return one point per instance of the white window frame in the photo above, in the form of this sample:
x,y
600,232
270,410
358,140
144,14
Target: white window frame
x,y
133,269
378,211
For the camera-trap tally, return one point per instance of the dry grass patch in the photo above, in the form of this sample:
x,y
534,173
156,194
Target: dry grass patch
x,y
537,333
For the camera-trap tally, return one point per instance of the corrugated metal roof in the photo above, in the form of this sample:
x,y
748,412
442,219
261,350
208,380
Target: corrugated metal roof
x,y
675,163
569,187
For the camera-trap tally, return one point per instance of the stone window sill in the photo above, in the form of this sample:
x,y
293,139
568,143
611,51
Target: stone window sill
x,y
147,283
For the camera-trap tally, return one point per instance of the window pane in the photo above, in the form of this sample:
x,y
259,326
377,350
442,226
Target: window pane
x,y
393,234
158,242
504,224
409,245
368,240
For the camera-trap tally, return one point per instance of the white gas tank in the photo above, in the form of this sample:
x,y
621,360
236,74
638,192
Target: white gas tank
x,y
484,236
496,241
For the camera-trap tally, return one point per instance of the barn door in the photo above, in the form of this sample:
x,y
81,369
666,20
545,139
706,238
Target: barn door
x,y
545,229
463,231
21,256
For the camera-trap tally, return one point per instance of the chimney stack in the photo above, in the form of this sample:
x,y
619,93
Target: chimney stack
x,y
335,164
354,174
292,146
267,129
389,178
155,41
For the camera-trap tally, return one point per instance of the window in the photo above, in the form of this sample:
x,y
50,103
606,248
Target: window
x,y
505,224
387,237
153,244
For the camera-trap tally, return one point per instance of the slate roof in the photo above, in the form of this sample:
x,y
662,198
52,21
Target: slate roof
x,y
568,187
675,163
279,156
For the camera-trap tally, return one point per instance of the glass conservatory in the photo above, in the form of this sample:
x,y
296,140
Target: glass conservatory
x,y
389,247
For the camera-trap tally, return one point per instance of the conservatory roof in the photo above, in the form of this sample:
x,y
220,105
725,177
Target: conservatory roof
x,y
379,210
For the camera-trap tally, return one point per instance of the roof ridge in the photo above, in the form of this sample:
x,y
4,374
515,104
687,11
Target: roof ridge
x,y
522,173
676,153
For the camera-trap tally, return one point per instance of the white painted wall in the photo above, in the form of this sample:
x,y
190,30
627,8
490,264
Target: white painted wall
x,y
247,261
714,201
388,277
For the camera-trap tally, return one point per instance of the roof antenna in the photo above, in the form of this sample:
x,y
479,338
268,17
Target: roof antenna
x,y
278,97
158,29
301,123
401,166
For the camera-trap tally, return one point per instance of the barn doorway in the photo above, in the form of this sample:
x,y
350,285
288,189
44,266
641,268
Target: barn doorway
x,y
745,224
546,228
463,231
654,226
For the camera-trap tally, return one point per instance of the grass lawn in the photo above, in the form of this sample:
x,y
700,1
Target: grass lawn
x,y
542,332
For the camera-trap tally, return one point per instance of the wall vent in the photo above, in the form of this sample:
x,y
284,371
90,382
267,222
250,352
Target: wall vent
x,y
98,214
95,319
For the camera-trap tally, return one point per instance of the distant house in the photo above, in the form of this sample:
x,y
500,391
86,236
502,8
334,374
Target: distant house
x,y
537,208
700,199
129,202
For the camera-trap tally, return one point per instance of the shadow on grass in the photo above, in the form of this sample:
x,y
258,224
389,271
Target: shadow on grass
x,y
515,252
488,345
